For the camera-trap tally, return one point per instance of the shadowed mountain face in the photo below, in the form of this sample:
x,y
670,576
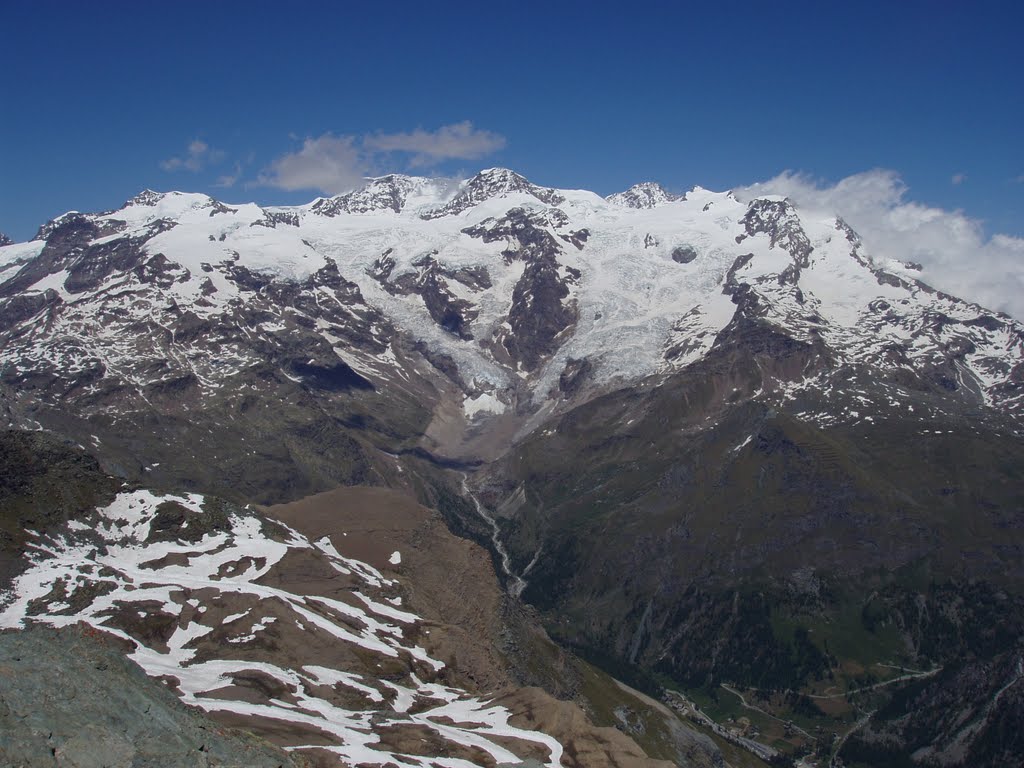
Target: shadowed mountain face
x,y
710,441
702,496
711,535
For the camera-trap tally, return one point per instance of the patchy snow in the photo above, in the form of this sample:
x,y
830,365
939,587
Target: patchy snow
x,y
396,558
114,566
743,445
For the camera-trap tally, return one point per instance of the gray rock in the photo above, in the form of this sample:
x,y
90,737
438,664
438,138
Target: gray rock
x,y
70,699
684,254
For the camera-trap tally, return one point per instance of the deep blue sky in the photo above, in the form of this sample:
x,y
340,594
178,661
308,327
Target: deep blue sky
x,y
94,96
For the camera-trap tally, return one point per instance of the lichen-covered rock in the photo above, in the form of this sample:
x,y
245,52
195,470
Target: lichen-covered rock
x,y
70,699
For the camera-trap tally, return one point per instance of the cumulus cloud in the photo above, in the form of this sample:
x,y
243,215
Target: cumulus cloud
x,y
459,141
953,249
329,163
228,180
197,155
334,164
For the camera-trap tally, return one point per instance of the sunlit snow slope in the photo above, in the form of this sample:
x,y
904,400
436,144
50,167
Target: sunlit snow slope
x,y
512,292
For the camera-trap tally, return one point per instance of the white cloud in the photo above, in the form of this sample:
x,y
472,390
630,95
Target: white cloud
x,y
335,164
458,141
953,249
958,179
331,164
229,179
197,156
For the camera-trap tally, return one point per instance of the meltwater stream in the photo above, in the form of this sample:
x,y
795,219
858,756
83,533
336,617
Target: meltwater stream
x,y
517,583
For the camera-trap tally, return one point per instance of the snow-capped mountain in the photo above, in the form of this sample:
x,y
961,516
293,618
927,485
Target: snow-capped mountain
x,y
646,194
507,287
207,596
680,423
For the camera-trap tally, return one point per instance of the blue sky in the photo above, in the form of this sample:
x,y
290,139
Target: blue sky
x,y
100,100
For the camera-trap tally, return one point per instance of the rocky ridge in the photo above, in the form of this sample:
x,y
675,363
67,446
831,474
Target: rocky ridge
x,y
647,194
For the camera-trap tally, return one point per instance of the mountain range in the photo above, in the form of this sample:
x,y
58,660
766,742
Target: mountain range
x,y
716,449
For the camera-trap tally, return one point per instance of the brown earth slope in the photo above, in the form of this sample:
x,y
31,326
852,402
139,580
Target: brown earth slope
x,y
470,623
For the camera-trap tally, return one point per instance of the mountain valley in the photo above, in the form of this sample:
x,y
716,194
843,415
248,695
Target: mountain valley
x,y
481,472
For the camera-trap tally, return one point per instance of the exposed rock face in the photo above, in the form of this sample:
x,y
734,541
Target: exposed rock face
x,y
573,376
684,254
387,193
645,195
431,283
44,482
496,182
778,219
542,309
272,219
528,234
71,698
540,313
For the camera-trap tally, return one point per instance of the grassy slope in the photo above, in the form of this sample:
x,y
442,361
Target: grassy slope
x,y
712,541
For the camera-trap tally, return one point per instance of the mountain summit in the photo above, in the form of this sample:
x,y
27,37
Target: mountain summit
x,y
647,194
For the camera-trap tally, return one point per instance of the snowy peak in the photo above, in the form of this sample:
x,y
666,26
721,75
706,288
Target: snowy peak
x,y
394,192
149,206
498,283
489,184
4,240
146,198
46,230
778,219
647,194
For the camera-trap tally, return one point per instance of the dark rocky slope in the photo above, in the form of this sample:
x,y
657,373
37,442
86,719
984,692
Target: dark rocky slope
x,y
70,699
691,532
